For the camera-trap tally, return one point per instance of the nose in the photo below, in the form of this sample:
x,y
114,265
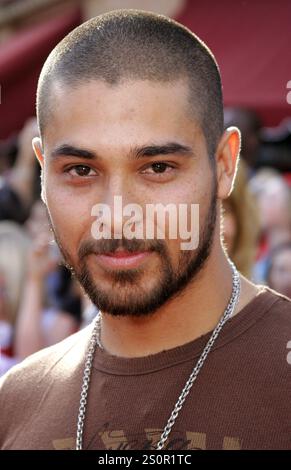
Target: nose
x,y
114,209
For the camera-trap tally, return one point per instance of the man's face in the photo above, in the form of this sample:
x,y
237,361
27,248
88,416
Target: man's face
x,y
118,129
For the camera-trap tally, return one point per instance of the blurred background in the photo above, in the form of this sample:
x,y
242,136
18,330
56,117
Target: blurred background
x,y
40,304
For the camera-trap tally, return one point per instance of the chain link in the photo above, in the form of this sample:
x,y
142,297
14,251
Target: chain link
x,y
86,381
95,340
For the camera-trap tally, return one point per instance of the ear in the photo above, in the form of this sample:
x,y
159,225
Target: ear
x,y
227,156
37,147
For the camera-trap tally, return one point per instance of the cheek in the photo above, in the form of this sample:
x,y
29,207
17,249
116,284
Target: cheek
x,y
191,220
70,216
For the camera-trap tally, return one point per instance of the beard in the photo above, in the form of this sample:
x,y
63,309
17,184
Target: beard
x,y
128,295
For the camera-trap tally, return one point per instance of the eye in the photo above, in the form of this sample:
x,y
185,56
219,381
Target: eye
x,y
158,168
80,170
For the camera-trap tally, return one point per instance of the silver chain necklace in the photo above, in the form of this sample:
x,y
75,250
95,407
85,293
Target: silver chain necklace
x,y
95,340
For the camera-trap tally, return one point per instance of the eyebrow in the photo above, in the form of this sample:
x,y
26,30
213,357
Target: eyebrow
x,y
152,150
165,149
71,151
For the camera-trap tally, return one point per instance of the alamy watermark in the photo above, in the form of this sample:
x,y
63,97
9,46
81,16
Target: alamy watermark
x,y
152,221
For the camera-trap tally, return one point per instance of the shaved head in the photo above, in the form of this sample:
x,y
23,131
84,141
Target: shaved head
x,y
136,45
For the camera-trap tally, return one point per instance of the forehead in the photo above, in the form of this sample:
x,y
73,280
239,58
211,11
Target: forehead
x,y
129,110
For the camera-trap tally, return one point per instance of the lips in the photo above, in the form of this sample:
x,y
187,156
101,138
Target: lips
x,y
123,259
122,254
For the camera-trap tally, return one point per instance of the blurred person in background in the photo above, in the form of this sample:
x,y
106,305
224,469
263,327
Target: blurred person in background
x,y
249,124
22,175
42,305
19,176
274,202
240,223
50,308
279,269
8,154
14,244
6,332
11,207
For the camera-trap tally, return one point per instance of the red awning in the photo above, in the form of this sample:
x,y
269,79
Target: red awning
x,y
251,41
21,59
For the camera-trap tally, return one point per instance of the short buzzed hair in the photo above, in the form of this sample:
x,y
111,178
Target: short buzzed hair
x,y
133,44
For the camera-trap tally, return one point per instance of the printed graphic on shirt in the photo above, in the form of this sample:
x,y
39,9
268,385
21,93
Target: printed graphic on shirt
x,y
118,440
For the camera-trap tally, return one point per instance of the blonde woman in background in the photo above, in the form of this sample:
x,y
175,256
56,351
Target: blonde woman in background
x,y
241,223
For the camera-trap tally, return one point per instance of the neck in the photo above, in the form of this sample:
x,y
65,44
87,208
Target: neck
x,y
193,313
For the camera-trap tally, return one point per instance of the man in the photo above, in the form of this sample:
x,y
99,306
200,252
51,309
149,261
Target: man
x,y
130,105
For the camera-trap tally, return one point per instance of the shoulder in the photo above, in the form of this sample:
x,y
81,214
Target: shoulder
x,y
55,362
27,390
271,334
272,312
278,306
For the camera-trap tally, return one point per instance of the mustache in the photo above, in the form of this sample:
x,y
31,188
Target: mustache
x,y
104,246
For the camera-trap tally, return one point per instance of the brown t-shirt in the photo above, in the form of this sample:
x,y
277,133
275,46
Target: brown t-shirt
x,y
240,400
